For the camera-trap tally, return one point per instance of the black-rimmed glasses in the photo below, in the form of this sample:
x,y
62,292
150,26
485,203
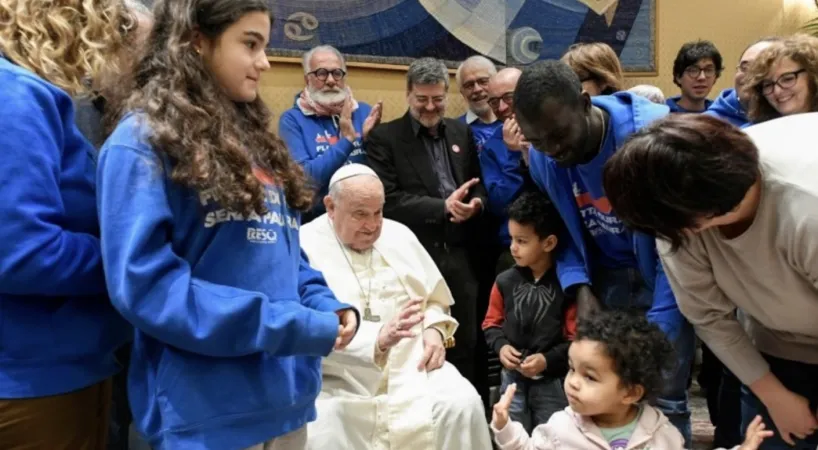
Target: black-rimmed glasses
x,y
785,81
323,74
507,98
694,71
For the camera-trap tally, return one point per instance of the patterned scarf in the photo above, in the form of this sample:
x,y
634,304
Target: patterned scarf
x,y
310,107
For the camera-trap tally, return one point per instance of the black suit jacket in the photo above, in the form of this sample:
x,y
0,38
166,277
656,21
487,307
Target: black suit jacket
x,y
401,160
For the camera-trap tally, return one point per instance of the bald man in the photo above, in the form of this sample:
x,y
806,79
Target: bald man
x,y
391,387
505,171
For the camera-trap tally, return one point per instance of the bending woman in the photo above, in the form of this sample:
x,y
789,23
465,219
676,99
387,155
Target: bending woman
x,y
199,208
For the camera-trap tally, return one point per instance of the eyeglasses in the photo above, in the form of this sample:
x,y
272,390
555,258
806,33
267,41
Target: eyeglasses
x,y
482,81
507,98
785,81
323,74
695,71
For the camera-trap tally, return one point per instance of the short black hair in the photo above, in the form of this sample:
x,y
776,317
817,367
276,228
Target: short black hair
x,y
535,209
693,52
546,80
677,171
641,353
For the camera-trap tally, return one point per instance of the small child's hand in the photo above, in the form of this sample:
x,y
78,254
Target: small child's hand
x,y
533,365
756,433
499,418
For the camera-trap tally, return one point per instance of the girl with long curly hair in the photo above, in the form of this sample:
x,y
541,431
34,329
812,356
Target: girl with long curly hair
x,y
58,331
783,80
199,206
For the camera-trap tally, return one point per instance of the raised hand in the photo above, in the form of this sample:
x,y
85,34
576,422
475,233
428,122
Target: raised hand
x,y
345,125
756,433
499,417
373,119
400,327
463,211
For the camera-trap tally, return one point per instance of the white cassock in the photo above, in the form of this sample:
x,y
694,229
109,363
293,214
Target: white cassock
x,y
389,404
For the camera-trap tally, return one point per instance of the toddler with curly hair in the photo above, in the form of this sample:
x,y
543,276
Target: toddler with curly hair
x,y
616,364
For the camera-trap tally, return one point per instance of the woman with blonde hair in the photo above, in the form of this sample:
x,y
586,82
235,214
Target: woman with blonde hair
x,y
783,80
58,329
597,67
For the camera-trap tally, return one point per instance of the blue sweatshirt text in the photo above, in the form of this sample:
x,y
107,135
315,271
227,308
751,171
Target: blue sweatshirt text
x,y
577,257
231,321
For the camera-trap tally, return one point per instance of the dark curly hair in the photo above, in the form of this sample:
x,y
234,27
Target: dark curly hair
x,y
213,142
536,209
640,352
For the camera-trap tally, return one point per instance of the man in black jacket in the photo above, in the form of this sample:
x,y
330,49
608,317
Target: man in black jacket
x,y
431,174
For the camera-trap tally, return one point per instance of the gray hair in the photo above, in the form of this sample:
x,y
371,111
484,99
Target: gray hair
x,y
139,7
475,61
427,71
307,57
650,92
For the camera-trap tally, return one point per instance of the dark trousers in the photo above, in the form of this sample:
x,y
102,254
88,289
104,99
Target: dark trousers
x,y
470,353
800,378
120,408
723,392
535,400
73,421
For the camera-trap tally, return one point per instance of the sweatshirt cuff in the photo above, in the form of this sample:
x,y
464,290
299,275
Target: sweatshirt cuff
x,y
499,343
509,434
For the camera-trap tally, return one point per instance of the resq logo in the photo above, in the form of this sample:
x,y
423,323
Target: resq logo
x,y
262,236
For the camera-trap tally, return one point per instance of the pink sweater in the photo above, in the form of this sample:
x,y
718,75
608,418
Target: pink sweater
x,y
567,430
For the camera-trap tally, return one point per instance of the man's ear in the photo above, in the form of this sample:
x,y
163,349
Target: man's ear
x,y
329,205
586,102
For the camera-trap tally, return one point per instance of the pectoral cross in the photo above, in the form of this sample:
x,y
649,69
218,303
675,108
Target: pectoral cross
x,y
369,317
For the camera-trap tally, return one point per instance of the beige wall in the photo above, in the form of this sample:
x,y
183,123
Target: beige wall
x,y
730,24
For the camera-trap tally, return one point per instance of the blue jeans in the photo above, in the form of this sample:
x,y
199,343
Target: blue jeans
x,y
535,400
624,289
798,377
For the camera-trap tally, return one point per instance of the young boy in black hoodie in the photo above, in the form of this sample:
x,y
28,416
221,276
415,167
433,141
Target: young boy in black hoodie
x,y
530,321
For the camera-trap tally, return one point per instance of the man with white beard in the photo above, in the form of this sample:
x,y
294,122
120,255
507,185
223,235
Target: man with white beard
x,y
326,127
391,388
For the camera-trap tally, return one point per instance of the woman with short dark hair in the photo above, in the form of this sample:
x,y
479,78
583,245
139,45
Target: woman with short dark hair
x,y
737,220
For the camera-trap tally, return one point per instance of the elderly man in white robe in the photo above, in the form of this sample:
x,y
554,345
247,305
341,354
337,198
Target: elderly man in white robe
x,y
391,388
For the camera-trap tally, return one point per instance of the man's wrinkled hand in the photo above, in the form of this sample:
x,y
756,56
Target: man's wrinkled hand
x,y
434,353
400,327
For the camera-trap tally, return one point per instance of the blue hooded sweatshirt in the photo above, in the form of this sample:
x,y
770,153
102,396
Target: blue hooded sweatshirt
x,y
728,108
316,143
618,246
59,331
231,321
504,179
673,104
